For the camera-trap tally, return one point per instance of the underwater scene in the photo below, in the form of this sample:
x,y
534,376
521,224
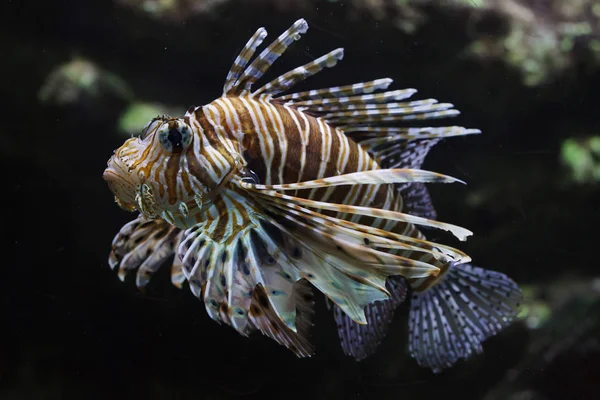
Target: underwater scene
x,y
323,199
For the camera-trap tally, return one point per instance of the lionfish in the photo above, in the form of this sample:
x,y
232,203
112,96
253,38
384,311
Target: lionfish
x,y
260,196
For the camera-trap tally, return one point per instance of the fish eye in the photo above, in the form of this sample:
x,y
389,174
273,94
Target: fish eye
x,y
174,138
152,126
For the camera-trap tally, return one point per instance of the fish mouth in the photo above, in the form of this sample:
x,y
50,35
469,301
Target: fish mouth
x,y
120,182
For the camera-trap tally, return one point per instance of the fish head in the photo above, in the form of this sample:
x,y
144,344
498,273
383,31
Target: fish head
x,y
161,173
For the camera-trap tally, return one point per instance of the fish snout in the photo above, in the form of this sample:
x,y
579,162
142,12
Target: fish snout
x,y
120,182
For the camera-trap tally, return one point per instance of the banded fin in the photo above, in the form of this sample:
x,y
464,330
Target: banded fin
x,y
403,147
219,270
361,341
343,91
451,319
349,272
225,274
384,134
177,275
145,245
243,58
406,148
267,57
249,280
210,269
265,319
354,108
459,232
347,283
371,177
417,201
349,108
389,112
267,246
373,237
291,78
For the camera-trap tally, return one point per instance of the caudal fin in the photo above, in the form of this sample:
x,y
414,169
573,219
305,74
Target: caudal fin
x,y
450,320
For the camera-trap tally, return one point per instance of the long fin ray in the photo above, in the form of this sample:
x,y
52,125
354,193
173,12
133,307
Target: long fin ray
x,y
293,77
277,274
242,59
368,135
374,237
177,275
215,296
145,245
376,117
327,268
395,147
378,236
224,275
162,250
267,57
373,112
354,245
459,232
391,240
371,177
231,279
379,101
343,98
337,91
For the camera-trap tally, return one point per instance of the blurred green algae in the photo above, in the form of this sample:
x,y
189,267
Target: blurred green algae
x,y
581,157
80,78
138,113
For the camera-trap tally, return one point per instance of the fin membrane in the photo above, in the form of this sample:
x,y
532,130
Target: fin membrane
x,y
406,148
361,341
145,245
291,78
339,262
248,280
450,320
291,201
417,201
224,275
266,320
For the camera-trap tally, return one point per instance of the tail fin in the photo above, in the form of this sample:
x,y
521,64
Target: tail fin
x,y
450,320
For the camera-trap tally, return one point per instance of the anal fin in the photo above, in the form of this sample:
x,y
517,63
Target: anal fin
x,y
417,201
361,341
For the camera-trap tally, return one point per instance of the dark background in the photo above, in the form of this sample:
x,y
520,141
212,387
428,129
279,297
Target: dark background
x,y
73,330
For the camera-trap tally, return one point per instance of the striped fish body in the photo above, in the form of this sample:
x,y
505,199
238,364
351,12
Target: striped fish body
x,y
281,145
267,195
